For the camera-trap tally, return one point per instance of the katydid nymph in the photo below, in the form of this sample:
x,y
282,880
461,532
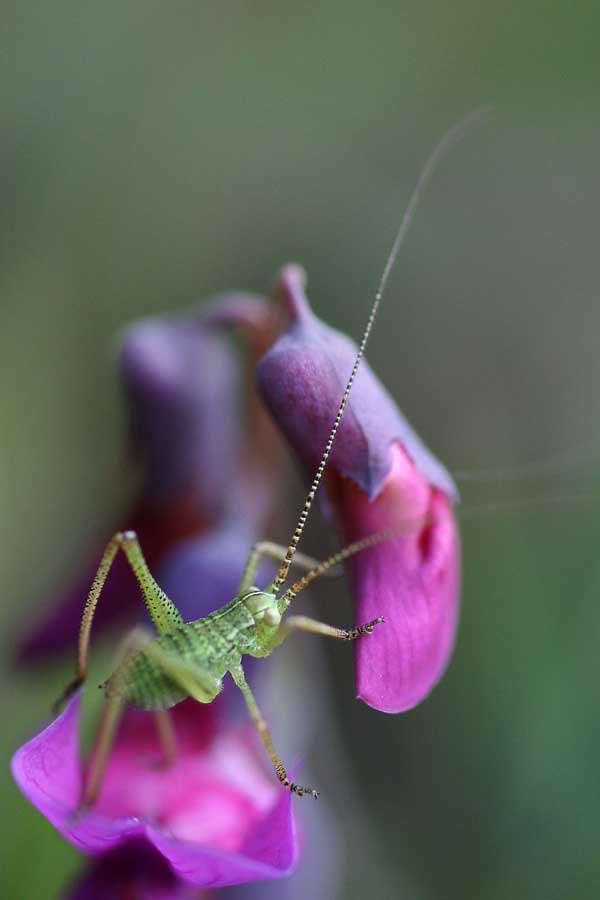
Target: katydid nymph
x,y
191,659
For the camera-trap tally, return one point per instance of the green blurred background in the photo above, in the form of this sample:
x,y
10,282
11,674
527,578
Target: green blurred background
x,y
153,153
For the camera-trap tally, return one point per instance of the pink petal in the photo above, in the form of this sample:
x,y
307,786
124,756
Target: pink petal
x,y
413,581
48,770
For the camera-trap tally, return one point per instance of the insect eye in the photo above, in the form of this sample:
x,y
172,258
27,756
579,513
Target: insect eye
x,y
271,616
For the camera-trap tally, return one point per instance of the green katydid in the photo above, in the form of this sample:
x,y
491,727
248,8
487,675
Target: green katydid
x,y
154,672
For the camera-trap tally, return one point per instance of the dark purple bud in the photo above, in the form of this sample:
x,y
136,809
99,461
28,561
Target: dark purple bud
x,y
302,378
133,871
181,384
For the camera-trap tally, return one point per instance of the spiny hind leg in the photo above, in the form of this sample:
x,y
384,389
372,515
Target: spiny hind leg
x,y
277,552
166,735
304,623
114,706
197,682
163,612
105,737
238,676
138,639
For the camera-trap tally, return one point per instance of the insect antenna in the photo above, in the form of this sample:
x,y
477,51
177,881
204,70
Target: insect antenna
x,y
454,134
518,505
561,463
345,553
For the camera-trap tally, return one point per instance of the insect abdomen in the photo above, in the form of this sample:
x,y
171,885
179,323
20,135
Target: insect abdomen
x,y
209,646
146,686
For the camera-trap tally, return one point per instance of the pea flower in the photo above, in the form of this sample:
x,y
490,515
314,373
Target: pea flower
x,y
215,815
181,384
380,475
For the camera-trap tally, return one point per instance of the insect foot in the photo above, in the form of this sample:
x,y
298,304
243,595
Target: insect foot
x,y
301,791
367,628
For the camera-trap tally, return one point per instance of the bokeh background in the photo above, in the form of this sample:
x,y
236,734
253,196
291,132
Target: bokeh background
x,y
154,153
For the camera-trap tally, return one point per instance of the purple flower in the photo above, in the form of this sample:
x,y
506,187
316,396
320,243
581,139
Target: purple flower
x,y
181,384
215,815
380,475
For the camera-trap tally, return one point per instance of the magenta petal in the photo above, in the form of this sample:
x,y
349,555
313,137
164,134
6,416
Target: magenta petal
x,y
380,475
47,768
413,581
269,853
48,771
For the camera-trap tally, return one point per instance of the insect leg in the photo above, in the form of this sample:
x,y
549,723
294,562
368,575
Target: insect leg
x,y
163,612
166,735
199,683
111,716
275,551
304,623
237,673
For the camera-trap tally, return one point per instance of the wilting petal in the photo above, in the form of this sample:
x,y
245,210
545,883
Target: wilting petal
x,y
214,814
380,475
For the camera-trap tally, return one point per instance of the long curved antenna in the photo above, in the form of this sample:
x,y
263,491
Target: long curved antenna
x,y
514,505
370,540
561,463
454,134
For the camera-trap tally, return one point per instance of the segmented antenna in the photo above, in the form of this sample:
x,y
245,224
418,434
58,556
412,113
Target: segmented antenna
x,y
371,540
454,134
512,505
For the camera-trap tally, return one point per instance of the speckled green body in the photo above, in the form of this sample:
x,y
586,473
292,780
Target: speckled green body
x,y
210,646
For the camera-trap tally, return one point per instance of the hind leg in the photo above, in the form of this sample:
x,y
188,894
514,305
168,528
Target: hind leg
x,y
197,682
114,706
162,610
